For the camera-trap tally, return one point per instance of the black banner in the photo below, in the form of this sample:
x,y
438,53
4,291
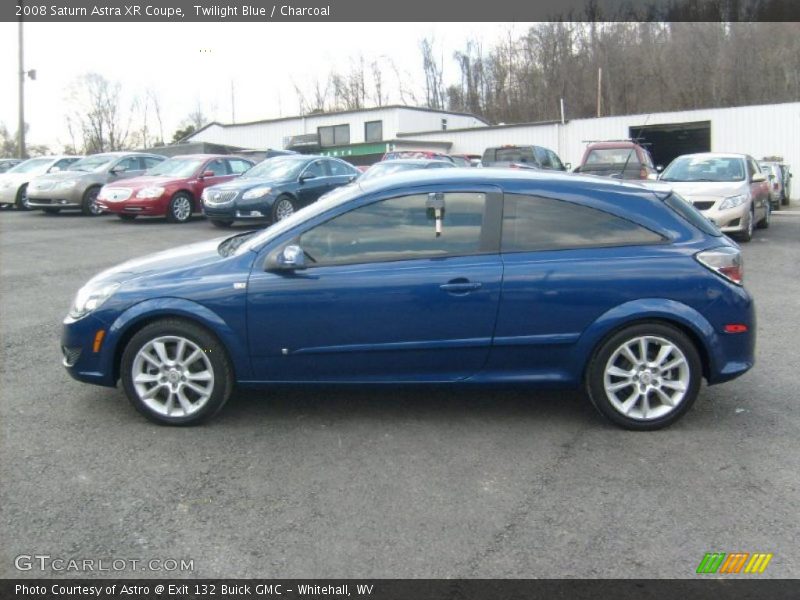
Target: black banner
x,y
394,11
388,589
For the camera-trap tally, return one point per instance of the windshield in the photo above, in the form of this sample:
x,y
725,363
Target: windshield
x,y
514,154
616,156
176,167
704,168
31,165
328,201
93,163
278,168
387,168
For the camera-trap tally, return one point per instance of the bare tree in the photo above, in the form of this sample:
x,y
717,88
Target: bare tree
x,y
434,83
95,108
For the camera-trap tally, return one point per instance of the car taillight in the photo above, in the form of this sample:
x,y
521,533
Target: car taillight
x,y
725,261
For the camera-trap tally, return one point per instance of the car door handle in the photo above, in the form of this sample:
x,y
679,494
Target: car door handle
x,y
460,286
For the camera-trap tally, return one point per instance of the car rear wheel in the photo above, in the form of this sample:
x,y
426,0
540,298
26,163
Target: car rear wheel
x,y
176,373
221,224
180,208
125,217
283,208
644,377
21,203
89,204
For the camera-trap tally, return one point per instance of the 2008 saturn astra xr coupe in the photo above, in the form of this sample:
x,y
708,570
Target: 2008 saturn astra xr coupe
x,y
450,276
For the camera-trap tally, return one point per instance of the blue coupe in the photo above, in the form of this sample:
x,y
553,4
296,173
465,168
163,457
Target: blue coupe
x,y
446,276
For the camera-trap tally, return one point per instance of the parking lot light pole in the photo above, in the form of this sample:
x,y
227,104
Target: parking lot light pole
x,y
21,125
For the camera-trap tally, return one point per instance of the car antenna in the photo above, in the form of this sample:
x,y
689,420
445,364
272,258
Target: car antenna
x,y
635,141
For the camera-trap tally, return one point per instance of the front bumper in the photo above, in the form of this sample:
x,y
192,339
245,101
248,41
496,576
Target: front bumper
x,y
79,356
729,220
257,209
56,198
152,207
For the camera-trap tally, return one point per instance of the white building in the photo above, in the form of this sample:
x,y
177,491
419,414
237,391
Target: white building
x,y
362,136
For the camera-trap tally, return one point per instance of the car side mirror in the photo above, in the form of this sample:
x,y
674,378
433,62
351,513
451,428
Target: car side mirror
x,y
758,178
118,169
207,174
291,258
659,168
307,176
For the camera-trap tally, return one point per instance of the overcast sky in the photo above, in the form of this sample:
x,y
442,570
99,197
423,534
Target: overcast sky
x,y
190,62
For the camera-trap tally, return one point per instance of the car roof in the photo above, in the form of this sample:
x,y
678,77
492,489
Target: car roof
x,y
715,155
505,178
619,144
204,156
413,161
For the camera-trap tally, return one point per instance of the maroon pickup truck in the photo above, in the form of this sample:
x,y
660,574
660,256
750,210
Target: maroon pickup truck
x,y
621,159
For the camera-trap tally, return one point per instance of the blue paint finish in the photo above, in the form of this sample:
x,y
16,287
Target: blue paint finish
x,y
536,318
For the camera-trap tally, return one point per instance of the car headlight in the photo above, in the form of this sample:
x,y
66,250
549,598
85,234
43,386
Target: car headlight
x,y
150,192
256,192
68,184
89,298
733,201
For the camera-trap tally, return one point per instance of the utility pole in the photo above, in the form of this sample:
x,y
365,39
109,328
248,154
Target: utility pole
x,y
21,125
599,88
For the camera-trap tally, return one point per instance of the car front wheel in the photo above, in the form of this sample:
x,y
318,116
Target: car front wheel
x,y
21,203
283,208
644,377
180,208
176,373
89,204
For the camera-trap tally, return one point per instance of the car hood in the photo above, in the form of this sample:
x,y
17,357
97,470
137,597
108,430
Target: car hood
x,y
192,255
15,178
244,183
708,189
147,181
62,175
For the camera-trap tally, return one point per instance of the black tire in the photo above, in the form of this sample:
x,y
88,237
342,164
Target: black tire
x,y
89,202
214,354
764,223
747,235
785,200
180,208
21,202
662,414
279,206
126,217
51,211
221,224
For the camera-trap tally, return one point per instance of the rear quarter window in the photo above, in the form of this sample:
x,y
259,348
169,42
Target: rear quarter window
x,y
533,223
691,214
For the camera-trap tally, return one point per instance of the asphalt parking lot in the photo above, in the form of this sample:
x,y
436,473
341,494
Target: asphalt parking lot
x,y
382,483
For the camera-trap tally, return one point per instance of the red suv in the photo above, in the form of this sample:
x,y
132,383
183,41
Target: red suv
x,y
172,188
622,159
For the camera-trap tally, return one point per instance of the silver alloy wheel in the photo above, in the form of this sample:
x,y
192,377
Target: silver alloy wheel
x,y
172,376
181,208
646,378
284,208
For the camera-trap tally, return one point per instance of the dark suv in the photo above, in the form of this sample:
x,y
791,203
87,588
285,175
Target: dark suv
x,y
522,157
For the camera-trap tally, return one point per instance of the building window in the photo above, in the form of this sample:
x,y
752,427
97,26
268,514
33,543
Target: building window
x,y
444,124
373,131
335,135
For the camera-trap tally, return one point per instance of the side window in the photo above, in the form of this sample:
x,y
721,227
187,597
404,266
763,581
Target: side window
x,y
554,160
150,161
219,166
401,228
531,223
339,168
753,167
317,169
751,170
238,166
541,157
63,164
130,164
